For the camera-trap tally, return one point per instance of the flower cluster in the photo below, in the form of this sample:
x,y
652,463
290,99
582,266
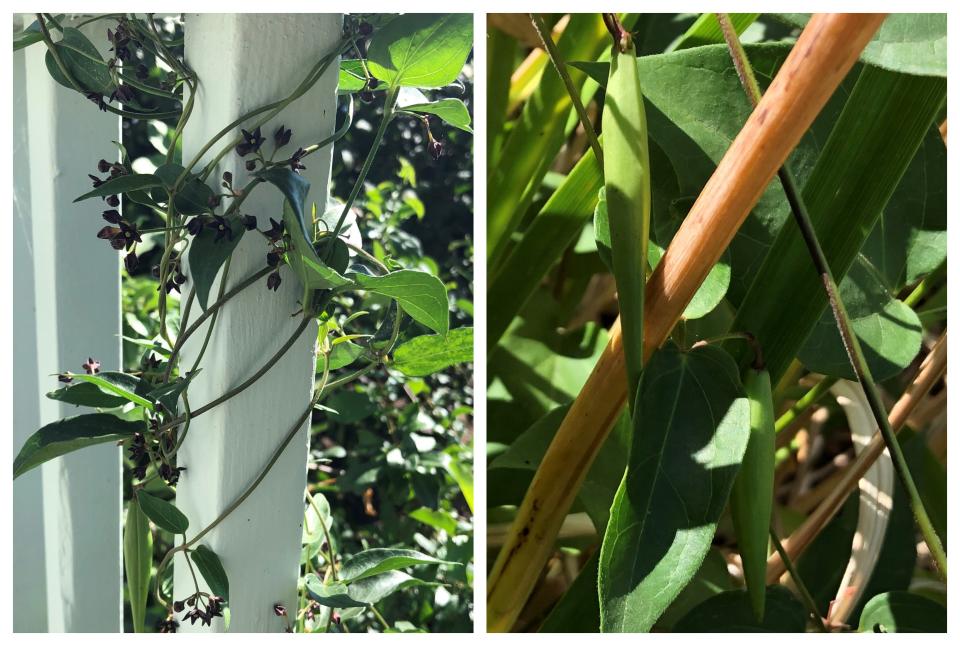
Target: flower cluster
x,y
121,233
277,243
213,607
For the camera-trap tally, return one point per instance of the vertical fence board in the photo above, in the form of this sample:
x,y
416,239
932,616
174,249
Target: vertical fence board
x,y
245,61
76,296
29,573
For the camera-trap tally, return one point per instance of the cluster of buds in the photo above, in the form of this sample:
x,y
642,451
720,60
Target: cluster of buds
x,y
213,607
175,275
121,38
277,243
121,233
139,455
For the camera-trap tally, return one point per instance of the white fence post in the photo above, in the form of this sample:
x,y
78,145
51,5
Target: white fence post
x,y
74,302
245,61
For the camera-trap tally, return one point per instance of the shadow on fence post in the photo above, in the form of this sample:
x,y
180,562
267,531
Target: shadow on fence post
x,y
244,61
66,308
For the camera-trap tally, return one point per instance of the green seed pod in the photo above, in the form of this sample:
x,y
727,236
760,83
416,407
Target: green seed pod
x,y
751,501
626,170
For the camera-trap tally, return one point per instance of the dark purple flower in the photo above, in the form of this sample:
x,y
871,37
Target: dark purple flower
x,y
98,99
273,281
92,366
130,262
96,180
249,222
103,166
273,258
195,225
142,72
282,137
436,149
108,233
251,142
367,96
112,216
275,232
130,234
64,378
294,161
365,28
113,200
279,610
222,227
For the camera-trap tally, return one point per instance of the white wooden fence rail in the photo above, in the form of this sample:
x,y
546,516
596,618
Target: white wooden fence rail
x,y
68,516
67,307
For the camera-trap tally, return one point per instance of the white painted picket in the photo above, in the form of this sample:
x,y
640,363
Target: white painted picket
x,y
245,61
67,560
68,516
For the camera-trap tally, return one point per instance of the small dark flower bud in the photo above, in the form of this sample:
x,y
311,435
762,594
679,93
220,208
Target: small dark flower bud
x,y
251,165
179,278
436,149
130,262
92,366
372,83
113,201
112,216
279,610
228,178
195,226
282,137
249,222
273,259
365,28
366,97
273,281
103,166
178,606
142,71
64,378
214,201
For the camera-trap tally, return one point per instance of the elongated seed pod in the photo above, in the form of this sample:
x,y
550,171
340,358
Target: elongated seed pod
x,y
751,501
626,171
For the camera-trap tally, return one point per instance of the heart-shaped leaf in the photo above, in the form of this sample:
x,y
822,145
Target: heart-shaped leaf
x,y
72,433
421,49
164,514
421,295
425,355
691,426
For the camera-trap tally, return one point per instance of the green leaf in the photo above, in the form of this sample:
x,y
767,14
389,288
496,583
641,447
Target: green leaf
x,y
352,78
28,36
425,355
911,43
341,356
116,383
378,560
421,295
122,184
730,612
206,256
212,571
910,238
691,426
362,593
452,111
83,61
890,333
421,49
578,611
72,433
312,271
313,524
461,472
86,394
711,579
137,562
168,394
706,30
436,518
165,515
193,196
903,612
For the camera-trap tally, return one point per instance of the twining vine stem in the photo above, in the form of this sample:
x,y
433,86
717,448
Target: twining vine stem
x,y
850,340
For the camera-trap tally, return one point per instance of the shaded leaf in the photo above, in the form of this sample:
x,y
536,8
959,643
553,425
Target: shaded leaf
x,y
731,612
193,196
903,612
117,383
421,295
164,514
212,570
691,426
82,61
341,356
421,49
890,333
206,256
451,111
86,394
72,433
122,184
314,523
352,78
